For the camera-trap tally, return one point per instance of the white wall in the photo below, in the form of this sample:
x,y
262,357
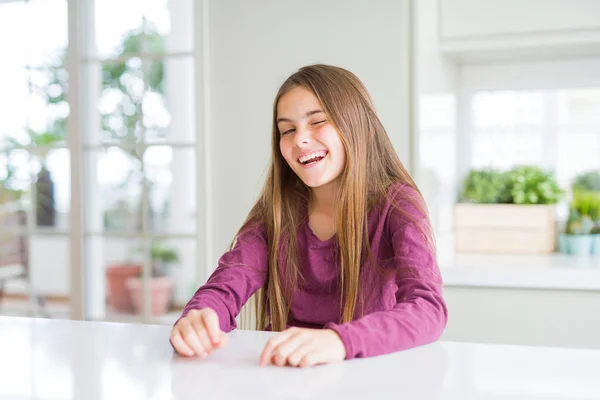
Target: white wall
x,y
254,47
435,73
437,93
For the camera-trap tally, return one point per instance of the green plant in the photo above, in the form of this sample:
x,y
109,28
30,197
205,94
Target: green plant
x,y
164,254
589,181
584,213
528,184
586,203
594,207
483,186
162,258
525,184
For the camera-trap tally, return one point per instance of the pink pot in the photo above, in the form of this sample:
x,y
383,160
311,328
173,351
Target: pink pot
x,y
160,294
117,295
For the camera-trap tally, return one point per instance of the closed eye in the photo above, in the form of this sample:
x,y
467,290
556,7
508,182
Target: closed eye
x,y
319,122
288,131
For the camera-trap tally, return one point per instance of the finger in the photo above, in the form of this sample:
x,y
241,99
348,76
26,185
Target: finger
x,y
203,338
298,354
310,359
211,322
286,348
274,342
223,340
180,346
190,337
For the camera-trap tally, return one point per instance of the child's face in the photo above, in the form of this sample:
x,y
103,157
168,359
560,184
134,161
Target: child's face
x,y
308,140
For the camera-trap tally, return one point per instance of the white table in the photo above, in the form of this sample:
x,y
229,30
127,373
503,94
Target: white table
x,y
56,359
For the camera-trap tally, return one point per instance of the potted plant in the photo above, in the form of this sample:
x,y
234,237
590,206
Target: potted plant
x,y
510,211
595,217
583,225
579,227
160,285
582,230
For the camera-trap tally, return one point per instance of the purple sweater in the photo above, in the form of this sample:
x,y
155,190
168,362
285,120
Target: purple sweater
x,y
403,304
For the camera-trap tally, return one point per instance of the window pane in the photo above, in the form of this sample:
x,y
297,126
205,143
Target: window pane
x,y
51,278
13,241
579,106
114,261
51,171
47,107
171,177
181,272
507,108
120,262
14,84
47,32
557,129
113,191
118,27
119,104
15,178
169,106
503,149
134,26
13,17
30,256
579,152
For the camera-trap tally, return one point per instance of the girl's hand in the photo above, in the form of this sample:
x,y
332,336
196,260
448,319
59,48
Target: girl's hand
x,y
301,347
198,333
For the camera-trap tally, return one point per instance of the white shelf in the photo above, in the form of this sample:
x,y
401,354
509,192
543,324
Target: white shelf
x,y
553,271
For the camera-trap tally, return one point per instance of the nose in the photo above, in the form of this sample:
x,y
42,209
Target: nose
x,y
302,137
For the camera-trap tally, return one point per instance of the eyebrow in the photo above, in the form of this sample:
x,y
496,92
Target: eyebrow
x,y
308,114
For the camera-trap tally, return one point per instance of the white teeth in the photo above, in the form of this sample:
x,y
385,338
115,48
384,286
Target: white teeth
x,y
316,154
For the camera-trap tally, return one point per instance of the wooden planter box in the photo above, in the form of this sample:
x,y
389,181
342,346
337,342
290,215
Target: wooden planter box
x,y
504,228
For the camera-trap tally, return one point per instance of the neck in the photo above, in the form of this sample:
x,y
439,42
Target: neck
x,y
323,198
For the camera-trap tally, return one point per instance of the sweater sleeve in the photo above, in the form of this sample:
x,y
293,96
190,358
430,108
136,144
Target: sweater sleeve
x,y
240,272
420,314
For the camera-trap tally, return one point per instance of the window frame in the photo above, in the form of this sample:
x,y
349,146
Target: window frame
x,y
87,288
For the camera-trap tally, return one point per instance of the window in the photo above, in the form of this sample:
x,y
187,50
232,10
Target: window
x,y
140,152
34,159
558,129
500,115
135,122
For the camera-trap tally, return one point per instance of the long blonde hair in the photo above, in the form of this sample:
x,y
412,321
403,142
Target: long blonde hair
x,y
372,166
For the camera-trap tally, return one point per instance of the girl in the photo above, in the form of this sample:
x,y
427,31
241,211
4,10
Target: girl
x,y
338,245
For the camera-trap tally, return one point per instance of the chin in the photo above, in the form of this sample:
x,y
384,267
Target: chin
x,y
315,184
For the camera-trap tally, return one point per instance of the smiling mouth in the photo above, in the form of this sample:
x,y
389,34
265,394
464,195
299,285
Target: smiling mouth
x,y
312,159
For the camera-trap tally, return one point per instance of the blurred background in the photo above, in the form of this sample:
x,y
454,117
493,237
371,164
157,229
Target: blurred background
x,y
134,138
